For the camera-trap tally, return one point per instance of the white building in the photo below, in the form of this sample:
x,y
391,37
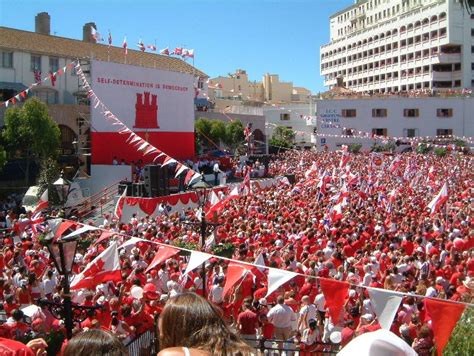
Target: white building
x,y
392,116
400,45
298,117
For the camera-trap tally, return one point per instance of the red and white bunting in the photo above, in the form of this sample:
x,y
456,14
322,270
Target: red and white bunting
x,y
386,305
161,256
197,259
276,278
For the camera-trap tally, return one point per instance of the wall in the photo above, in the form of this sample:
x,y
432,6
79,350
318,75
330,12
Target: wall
x,y
330,120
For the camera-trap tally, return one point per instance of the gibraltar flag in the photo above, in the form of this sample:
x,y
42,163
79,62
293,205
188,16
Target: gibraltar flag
x,y
104,268
43,202
439,199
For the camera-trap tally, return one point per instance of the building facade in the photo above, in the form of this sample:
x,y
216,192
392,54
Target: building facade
x,y
400,45
242,91
338,120
25,56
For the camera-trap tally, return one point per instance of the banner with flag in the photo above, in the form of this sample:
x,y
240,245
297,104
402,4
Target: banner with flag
x,y
104,268
124,45
439,199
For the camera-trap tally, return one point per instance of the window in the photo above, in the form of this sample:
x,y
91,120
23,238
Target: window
x,y
444,132
410,132
379,132
444,112
53,64
349,113
7,59
348,132
35,63
379,112
411,112
285,116
47,96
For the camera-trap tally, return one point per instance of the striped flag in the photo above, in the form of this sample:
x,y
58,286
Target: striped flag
x,y
124,45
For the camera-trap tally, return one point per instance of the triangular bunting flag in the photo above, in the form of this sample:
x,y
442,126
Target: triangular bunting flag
x,y
197,259
161,256
444,317
335,293
386,304
180,169
276,278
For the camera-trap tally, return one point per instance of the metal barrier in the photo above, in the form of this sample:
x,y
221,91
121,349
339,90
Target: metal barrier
x,y
271,347
143,345
90,204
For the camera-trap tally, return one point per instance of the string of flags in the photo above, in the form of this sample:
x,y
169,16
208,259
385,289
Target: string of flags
x,y
133,139
178,51
444,314
52,77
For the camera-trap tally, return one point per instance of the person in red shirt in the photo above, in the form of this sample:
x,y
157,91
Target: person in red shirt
x,y
247,323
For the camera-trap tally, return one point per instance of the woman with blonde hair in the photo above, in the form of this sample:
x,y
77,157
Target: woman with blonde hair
x,y
190,325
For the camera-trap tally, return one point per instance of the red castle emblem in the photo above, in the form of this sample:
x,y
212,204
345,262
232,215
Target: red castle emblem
x,y
146,111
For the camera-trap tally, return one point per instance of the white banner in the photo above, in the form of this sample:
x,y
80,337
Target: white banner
x,y
145,99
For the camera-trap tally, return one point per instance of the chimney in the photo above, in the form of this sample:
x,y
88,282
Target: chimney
x,y
87,33
43,23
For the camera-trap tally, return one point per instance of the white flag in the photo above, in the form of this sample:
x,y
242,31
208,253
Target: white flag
x,y
386,304
276,278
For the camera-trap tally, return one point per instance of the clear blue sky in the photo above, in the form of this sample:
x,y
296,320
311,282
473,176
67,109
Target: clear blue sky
x,y
274,36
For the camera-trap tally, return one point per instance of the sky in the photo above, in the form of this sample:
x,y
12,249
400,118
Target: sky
x,y
261,36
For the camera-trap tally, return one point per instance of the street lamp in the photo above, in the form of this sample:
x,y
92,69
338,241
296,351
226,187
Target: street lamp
x,y
62,188
201,188
62,252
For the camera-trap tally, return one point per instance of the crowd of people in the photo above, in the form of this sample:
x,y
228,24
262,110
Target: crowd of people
x,y
359,218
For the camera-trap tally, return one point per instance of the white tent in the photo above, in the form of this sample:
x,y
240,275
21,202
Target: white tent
x,y
377,343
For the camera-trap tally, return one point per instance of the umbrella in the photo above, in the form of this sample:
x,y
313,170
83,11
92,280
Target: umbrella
x,y
377,343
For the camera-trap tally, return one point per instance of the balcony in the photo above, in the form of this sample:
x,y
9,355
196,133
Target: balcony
x,y
446,58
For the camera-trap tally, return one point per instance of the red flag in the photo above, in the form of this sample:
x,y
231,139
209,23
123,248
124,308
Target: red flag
x,y
178,51
151,47
444,317
235,272
335,293
165,51
43,202
110,39
163,253
124,45
439,199
104,268
141,45
65,225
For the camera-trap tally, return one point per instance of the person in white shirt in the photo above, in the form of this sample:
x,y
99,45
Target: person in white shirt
x,y
281,316
307,312
217,292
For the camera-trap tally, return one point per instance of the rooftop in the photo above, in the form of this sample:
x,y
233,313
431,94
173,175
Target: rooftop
x,y
26,41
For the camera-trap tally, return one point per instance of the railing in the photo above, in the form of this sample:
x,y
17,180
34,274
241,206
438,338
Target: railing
x,y
97,201
269,346
143,345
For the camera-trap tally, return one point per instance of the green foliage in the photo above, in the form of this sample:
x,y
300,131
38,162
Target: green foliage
x,y
388,147
440,151
282,137
460,143
354,147
3,157
234,134
49,173
187,245
422,148
31,131
461,341
231,134
224,250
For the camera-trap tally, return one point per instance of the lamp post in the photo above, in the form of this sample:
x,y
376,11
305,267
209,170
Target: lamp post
x,y
62,252
202,189
62,188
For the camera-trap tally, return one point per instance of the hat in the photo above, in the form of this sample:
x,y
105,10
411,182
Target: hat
x,y
367,317
149,291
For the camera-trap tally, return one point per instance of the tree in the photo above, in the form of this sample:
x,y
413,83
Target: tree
x,y
234,135
202,127
217,131
30,132
49,173
283,137
3,157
